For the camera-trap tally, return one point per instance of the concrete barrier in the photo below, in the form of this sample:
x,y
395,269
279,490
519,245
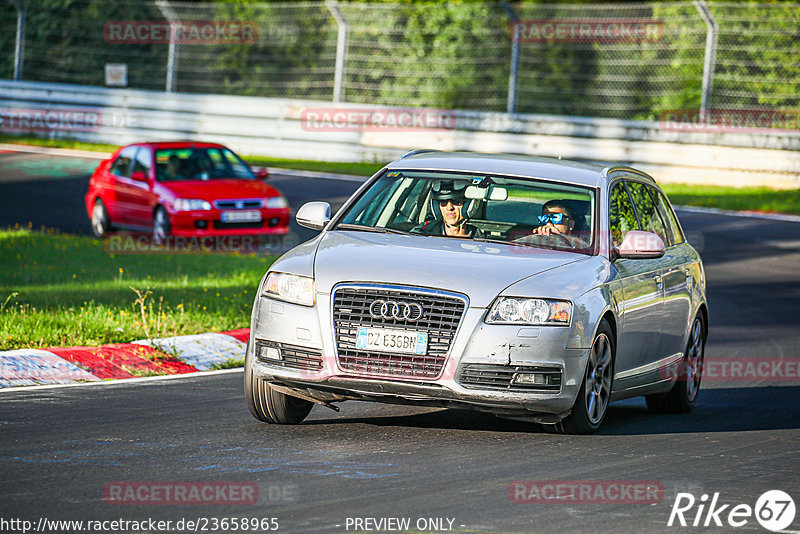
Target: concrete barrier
x,y
280,128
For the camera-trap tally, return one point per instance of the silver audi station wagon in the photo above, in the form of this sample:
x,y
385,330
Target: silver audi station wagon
x,y
531,288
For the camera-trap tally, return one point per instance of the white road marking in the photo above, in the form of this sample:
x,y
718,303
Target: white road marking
x,y
55,151
111,382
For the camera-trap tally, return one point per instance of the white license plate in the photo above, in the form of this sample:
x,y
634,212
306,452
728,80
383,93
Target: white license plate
x,y
390,340
241,216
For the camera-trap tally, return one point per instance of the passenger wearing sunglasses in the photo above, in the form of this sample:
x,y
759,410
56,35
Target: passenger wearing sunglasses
x,y
450,198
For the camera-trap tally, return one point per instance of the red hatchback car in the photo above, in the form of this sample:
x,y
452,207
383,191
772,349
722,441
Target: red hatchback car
x,y
183,189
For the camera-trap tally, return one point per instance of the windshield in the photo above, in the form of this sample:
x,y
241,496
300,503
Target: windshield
x,y
517,211
200,164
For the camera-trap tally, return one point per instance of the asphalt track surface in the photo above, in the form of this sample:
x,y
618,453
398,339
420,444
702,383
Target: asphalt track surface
x,y
60,447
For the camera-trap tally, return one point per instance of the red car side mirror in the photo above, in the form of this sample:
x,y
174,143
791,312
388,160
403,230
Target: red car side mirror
x,y
139,175
262,174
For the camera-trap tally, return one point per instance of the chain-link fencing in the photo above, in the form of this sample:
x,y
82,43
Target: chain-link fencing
x,y
619,60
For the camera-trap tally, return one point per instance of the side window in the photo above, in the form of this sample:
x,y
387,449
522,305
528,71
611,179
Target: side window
x,y
143,161
667,215
646,208
623,218
122,165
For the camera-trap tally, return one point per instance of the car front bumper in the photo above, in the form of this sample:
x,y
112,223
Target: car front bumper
x,y
307,341
209,223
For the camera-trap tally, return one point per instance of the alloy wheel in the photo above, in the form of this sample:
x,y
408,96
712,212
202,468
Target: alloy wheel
x,y
598,379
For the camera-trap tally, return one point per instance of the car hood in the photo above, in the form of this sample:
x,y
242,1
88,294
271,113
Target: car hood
x,y
219,189
479,270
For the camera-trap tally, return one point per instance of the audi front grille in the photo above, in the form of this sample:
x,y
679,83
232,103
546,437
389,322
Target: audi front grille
x,y
441,314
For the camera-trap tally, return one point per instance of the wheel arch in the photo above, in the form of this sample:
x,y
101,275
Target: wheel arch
x,y
702,311
609,316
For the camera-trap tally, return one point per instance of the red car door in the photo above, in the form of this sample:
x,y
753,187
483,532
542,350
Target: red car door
x,y
139,190
117,178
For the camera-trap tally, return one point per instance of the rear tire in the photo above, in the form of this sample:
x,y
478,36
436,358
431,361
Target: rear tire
x,y
100,221
682,396
591,405
271,406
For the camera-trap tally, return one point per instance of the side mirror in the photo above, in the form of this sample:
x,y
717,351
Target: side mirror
x,y
262,173
314,215
139,175
640,245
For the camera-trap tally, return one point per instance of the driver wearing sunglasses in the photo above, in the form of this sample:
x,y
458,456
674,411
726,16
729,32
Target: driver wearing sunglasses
x,y
450,198
557,218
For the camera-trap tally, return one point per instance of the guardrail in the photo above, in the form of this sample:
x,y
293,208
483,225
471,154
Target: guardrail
x,y
353,132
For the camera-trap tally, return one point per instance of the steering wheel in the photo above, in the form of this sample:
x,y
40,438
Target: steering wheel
x,y
545,239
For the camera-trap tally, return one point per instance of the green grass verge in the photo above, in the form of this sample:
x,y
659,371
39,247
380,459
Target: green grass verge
x,y
728,198
65,290
735,198
55,143
336,167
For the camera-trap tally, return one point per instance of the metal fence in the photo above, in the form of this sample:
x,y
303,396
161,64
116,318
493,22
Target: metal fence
x,y
618,60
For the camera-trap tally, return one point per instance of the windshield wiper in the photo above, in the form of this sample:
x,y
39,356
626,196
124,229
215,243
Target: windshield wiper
x,y
365,228
491,240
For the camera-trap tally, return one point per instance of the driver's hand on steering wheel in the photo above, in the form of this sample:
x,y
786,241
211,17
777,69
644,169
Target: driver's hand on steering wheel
x,y
546,229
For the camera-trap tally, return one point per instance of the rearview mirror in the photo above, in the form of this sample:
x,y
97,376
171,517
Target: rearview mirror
x,y
483,193
640,245
314,215
262,173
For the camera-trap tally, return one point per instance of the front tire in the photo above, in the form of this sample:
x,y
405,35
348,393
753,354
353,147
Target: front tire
x,y
682,396
591,406
161,226
101,224
271,406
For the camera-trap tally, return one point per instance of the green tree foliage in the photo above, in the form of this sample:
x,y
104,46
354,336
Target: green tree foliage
x,y
453,55
439,55
64,42
759,55
293,56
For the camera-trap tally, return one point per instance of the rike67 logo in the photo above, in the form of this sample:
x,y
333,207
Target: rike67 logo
x,y
774,510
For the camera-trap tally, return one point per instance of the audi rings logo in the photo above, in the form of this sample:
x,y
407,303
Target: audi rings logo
x,y
390,309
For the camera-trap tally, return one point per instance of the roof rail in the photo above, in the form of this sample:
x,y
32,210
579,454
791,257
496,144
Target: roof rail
x,y
418,151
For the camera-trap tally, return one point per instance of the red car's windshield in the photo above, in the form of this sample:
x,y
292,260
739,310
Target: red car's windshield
x,y
200,164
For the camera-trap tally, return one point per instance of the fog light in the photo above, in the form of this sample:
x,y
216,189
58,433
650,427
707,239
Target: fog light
x,y
530,379
201,224
269,353
274,221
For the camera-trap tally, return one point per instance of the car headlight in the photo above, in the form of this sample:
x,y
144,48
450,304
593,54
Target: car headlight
x,y
191,204
291,288
519,310
275,202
